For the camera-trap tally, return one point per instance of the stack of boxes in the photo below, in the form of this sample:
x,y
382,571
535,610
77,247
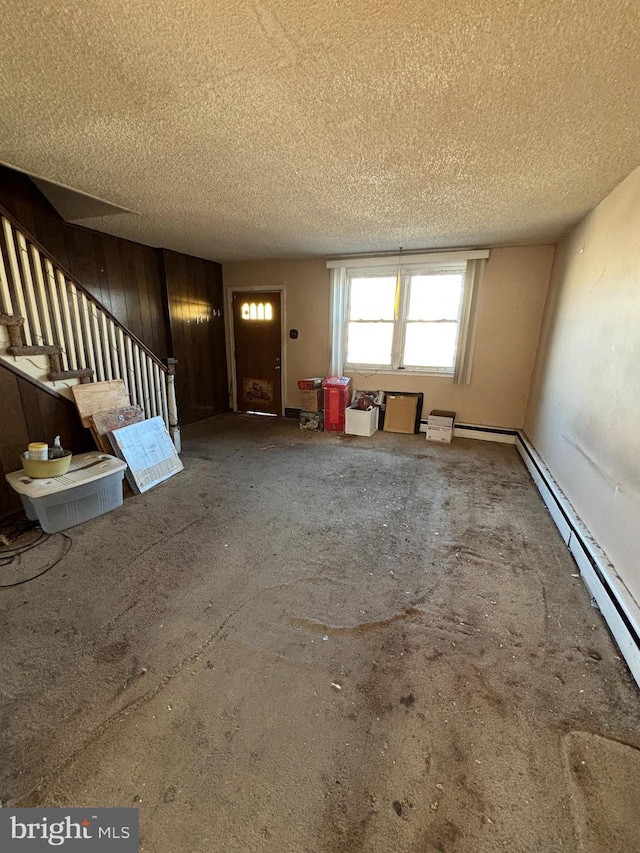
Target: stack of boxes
x,y
323,402
311,403
440,426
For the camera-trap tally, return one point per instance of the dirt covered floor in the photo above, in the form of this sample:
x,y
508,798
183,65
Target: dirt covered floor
x,y
307,643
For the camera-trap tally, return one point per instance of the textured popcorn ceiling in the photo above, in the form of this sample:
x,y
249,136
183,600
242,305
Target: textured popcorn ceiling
x,y
283,128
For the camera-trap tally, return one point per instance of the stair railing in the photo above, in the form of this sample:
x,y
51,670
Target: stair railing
x,y
59,311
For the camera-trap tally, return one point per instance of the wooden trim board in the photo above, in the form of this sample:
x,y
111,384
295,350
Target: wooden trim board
x,y
96,397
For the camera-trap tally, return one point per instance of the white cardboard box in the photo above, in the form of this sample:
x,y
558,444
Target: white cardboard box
x,y
361,421
439,433
440,426
439,418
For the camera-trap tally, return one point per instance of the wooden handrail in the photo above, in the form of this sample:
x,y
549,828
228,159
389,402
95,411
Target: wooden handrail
x,y
47,254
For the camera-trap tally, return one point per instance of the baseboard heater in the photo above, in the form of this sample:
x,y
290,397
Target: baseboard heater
x,y
618,607
482,433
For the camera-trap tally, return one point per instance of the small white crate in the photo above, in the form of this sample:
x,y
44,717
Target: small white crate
x,y
361,421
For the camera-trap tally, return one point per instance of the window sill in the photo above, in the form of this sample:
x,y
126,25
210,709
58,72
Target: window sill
x,y
363,370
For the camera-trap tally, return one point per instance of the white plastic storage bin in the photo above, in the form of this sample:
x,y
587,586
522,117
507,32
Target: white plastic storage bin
x,y
92,487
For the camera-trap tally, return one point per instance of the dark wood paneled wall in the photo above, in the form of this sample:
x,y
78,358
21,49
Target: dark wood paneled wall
x,y
196,315
31,414
125,277
25,202
172,302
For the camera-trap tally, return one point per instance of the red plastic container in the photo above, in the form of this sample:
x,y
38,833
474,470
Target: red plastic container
x,y
337,396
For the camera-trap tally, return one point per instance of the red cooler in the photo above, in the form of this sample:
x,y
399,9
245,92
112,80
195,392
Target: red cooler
x,y
337,396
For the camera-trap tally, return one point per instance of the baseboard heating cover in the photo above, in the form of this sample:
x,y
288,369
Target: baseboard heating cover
x,y
618,607
482,433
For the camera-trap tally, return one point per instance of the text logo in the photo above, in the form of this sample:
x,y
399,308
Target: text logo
x,y
36,830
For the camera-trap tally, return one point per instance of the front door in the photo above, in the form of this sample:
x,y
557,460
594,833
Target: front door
x,y
256,331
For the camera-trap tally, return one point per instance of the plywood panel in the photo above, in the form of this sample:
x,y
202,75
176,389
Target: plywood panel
x,y
148,451
105,422
98,397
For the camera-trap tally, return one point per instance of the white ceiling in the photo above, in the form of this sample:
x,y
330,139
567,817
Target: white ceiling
x,y
297,128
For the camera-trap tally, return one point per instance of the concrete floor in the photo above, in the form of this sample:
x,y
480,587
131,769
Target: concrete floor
x,y
315,642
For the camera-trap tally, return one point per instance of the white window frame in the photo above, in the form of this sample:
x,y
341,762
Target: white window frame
x,y
470,263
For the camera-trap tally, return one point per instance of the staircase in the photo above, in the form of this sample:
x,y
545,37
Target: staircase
x,y
54,331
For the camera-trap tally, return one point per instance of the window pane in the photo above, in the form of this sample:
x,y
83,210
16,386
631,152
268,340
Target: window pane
x,y
430,344
369,343
435,297
372,298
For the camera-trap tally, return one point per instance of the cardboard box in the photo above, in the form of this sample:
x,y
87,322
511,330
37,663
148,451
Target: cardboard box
x,y
312,421
361,421
400,413
311,401
440,426
438,417
439,433
310,384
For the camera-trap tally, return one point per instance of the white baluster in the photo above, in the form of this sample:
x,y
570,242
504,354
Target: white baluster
x,y
75,339
17,280
174,427
97,340
43,306
158,378
131,376
6,305
87,334
113,346
54,301
163,397
153,400
139,386
106,345
30,294
145,382
122,355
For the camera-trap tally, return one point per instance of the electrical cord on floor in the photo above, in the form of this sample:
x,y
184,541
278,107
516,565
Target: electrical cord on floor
x,y
8,555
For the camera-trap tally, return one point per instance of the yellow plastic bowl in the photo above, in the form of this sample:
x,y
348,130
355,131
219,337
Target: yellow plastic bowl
x,y
42,469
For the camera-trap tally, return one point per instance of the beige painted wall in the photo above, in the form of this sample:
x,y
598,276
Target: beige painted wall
x,y
584,412
510,306
306,305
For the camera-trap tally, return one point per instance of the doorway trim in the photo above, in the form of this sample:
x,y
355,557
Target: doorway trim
x,y
231,341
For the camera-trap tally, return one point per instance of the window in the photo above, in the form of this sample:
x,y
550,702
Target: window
x,y
257,312
409,320
415,317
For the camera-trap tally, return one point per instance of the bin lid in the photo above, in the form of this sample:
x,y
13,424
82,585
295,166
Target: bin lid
x,y
84,468
336,382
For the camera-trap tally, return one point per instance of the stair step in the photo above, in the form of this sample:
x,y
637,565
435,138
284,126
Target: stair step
x,y
11,320
52,349
84,375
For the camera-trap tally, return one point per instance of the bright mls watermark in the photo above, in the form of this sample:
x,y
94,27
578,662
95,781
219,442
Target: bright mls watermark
x,y
82,830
